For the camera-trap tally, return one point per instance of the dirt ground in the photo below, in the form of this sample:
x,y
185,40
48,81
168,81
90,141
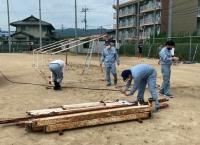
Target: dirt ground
x,y
178,124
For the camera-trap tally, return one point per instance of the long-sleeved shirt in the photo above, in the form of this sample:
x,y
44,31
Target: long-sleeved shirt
x,y
61,63
109,56
165,56
138,72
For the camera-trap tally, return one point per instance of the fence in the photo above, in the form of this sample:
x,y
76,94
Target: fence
x,y
186,48
19,46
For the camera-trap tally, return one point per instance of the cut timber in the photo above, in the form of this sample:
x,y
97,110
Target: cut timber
x,y
89,115
83,105
163,105
99,121
43,111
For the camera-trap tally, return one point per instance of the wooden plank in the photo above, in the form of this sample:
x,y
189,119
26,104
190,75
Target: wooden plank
x,y
90,115
98,121
82,105
43,111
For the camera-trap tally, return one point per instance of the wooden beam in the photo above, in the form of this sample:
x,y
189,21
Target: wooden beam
x,y
90,115
82,105
70,125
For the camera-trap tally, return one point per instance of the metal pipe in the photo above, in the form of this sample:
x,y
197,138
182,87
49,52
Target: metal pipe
x,y
9,42
40,27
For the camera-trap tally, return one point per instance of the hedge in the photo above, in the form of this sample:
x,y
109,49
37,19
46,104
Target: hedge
x,y
182,50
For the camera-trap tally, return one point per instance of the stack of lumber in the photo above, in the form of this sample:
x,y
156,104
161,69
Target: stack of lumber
x,y
59,118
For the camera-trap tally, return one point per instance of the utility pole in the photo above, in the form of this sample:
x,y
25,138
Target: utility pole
x,y
8,27
40,27
138,25
117,25
170,20
100,28
85,20
76,25
62,29
154,25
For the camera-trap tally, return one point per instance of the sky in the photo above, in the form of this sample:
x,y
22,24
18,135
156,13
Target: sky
x,y
60,12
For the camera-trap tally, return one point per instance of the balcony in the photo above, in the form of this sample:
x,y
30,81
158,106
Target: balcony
x,y
198,32
144,35
127,36
150,7
149,21
125,13
123,25
198,12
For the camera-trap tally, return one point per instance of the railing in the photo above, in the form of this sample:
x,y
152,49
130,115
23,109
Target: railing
x,y
198,32
114,16
149,20
198,12
150,6
125,24
145,34
126,36
127,12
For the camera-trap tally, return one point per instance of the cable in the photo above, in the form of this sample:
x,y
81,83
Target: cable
x,y
49,87
21,82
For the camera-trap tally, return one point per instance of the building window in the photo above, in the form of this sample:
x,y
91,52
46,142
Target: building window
x,y
44,28
24,28
86,45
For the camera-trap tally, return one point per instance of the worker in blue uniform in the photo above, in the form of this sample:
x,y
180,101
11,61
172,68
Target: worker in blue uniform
x,y
110,57
166,62
142,74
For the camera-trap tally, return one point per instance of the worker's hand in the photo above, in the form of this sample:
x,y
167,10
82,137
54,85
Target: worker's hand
x,y
123,91
100,63
118,63
126,94
175,58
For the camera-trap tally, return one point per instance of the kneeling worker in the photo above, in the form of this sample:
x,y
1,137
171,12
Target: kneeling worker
x,y
142,74
57,67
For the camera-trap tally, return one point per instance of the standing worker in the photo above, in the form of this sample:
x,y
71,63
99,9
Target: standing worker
x,y
57,67
110,56
140,50
141,74
166,62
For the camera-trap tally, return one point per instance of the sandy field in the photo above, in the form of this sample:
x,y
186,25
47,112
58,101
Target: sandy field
x,y
179,124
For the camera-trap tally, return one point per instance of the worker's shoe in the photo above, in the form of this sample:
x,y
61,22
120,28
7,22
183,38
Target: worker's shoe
x,y
168,95
108,85
156,110
161,93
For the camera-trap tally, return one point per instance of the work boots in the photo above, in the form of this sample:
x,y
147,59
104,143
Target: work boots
x,y
57,86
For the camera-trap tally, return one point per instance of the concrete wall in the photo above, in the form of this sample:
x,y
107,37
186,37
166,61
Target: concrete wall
x,y
184,18
98,47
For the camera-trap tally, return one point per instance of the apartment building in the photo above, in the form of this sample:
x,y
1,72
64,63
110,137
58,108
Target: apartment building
x,y
154,15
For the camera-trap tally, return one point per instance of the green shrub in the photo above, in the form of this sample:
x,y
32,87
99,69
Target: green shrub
x,y
182,50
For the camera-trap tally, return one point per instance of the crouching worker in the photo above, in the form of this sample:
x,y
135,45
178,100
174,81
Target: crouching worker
x,y
141,74
57,67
